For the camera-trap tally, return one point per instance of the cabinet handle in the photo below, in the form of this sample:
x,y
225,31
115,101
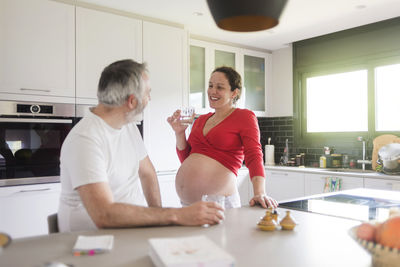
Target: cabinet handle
x,y
278,173
33,190
40,90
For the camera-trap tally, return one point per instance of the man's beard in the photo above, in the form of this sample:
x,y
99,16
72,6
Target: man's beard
x,y
136,114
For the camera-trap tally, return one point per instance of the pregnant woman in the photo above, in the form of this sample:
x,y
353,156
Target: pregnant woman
x,y
217,145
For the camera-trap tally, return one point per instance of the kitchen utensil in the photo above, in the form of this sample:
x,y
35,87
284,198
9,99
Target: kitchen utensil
x,y
379,142
389,155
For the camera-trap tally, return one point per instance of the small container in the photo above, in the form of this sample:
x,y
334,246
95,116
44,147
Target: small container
x,y
328,161
303,159
267,223
345,161
322,162
336,160
353,164
298,160
288,222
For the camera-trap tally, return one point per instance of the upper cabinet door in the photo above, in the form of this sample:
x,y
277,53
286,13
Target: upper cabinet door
x,y
253,66
101,39
164,50
256,81
37,48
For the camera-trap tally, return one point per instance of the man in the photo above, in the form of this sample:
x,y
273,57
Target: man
x,y
104,164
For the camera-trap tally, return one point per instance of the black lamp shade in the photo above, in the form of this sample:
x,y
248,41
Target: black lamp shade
x,y
246,15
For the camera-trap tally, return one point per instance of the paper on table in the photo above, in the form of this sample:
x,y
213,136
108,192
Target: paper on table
x,y
188,251
102,243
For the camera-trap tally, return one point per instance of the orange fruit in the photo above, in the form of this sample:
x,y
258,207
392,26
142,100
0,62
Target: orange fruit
x,y
366,231
388,233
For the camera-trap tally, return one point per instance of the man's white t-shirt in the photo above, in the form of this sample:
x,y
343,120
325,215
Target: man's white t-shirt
x,y
95,152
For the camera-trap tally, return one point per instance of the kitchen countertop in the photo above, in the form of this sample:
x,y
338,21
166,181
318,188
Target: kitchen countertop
x,y
317,240
339,172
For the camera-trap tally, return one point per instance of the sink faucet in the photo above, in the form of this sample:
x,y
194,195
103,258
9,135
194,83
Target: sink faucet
x,y
363,161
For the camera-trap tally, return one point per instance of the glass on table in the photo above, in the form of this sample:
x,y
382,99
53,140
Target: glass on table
x,y
219,199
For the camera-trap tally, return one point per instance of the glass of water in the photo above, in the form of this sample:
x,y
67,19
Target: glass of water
x,y
186,115
214,198
217,199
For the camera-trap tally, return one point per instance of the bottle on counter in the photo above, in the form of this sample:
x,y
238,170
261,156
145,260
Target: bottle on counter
x,y
345,161
322,162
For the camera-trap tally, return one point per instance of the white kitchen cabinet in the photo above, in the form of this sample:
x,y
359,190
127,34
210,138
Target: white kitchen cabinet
x,y
245,187
24,209
101,39
315,183
255,68
169,197
384,184
280,97
164,50
282,185
37,48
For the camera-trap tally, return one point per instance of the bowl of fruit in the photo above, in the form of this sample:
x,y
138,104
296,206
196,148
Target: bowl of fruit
x,y
381,240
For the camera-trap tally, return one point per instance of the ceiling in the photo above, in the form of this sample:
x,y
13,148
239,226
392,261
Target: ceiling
x,y
301,19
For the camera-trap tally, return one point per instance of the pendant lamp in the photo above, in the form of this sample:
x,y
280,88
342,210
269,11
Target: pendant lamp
x,y
246,15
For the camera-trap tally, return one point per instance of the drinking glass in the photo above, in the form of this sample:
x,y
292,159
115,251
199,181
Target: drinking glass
x,y
214,198
186,115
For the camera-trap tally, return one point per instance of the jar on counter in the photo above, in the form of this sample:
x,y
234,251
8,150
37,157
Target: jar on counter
x,y
336,160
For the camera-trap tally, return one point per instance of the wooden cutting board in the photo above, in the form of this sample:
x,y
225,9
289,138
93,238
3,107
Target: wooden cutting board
x,y
379,142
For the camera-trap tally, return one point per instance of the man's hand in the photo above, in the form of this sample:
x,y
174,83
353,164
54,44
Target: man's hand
x,y
200,213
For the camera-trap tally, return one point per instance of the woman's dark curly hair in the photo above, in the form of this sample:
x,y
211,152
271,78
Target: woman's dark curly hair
x,y
234,79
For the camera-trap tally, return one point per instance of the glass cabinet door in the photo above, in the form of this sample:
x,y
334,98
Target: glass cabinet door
x,y
197,77
254,83
223,58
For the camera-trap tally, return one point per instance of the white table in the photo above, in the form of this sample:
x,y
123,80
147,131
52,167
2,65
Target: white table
x,y
318,240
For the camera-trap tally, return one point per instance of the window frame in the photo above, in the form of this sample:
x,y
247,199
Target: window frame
x,y
300,99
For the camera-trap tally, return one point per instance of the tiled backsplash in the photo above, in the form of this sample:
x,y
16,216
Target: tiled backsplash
x,y
281,128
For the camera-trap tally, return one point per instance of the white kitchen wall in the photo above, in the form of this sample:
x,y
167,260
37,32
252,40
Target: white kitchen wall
x,y
280,97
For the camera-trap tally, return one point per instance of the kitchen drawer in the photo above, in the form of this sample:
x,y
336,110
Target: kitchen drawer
x,y
284,185
384,184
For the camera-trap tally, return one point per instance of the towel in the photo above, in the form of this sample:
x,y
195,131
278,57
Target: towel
x,y
332,184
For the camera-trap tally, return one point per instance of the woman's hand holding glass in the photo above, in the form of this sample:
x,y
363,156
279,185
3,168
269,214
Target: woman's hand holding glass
x,y
181,119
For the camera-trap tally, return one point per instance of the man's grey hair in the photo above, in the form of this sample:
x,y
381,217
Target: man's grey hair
x,y
119,80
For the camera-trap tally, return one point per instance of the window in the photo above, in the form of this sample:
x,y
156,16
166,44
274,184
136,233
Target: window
x,y
387,97
337,102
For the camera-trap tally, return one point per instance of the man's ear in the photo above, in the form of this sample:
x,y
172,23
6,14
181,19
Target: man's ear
x,y
132,102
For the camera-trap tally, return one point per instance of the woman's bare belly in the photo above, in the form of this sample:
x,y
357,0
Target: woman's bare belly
x,y
200,175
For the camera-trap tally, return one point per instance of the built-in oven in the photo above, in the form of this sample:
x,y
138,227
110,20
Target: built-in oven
x,y
31,135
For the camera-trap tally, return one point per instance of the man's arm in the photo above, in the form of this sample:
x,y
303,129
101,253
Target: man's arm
x,y
105,213
148,179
